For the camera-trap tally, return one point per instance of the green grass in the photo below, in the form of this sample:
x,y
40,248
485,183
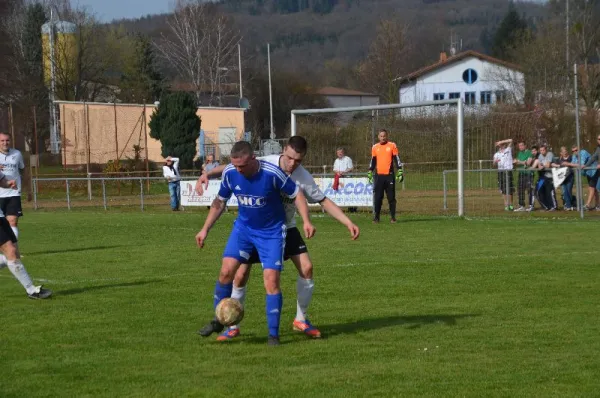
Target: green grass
x,y
429,307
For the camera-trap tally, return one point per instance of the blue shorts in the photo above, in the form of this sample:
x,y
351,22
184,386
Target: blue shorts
x,y
243,242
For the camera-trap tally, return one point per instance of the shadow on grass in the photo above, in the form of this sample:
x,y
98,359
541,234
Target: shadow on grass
x,y
75,249
100,287
410,321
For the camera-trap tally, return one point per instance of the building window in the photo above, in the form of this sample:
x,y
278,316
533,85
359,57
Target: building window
x,y
438,96
454,95
469,76
470,98
501,97
485,97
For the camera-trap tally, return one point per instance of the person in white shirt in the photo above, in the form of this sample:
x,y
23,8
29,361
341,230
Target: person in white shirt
x,y
343,164
11,164
171,173
10,256
503,159
290,161
341,167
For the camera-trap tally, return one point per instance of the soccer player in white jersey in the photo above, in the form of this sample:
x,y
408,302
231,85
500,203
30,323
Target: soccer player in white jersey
x,y
11,164
295,248
11,256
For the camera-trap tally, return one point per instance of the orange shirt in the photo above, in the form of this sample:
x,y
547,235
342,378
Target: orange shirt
x,y
384,155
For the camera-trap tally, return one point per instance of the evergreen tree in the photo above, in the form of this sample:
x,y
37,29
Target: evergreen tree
x,y
142,79
176,125
509,33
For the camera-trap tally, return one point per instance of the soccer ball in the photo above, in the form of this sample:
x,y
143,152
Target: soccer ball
x,y
229,312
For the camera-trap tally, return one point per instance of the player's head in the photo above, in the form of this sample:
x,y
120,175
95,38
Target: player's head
x,y
210,158
521,144
293,153
383,136
242,157
534,150
574,149
340,152
543,150
4,141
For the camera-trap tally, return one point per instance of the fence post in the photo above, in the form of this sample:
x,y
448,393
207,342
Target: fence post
x,y
445,191
104,194
142,193
480,174
34,185
68,194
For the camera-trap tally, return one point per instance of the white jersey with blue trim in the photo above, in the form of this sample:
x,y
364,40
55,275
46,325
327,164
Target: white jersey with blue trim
x,y
260,197
305,182
12,164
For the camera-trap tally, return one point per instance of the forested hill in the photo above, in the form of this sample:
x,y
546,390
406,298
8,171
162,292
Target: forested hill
x,y
320,36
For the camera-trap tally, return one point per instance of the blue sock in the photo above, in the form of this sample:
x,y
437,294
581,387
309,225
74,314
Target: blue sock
x,y
274,304
222,291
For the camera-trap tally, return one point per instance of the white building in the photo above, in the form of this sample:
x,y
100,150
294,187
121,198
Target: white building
x,y
476,78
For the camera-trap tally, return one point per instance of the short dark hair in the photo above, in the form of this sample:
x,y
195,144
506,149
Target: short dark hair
x,y
383,131
5,133
543,146
298,144
535,147
241,148
521,141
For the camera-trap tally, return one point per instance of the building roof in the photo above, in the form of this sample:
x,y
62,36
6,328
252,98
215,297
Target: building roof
x,y
333,91
443,61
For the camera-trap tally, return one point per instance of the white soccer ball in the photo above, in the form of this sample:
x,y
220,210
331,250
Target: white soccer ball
x,y
229,312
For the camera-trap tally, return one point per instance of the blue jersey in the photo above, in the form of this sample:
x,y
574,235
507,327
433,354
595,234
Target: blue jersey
x,y
260,204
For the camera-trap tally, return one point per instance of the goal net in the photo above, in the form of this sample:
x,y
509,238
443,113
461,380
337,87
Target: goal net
x,y
446,148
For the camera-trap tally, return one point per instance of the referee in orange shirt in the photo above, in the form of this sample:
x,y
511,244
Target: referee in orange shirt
x,y
384,156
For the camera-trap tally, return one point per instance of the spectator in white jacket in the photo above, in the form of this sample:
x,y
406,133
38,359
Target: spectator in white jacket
x,y
171,173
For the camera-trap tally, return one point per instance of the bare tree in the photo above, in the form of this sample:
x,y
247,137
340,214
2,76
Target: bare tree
x,y
200,45
386,60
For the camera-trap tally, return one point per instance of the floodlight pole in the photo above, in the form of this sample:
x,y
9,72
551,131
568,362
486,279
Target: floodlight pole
x,y
240,68
577,134
272,136
460,158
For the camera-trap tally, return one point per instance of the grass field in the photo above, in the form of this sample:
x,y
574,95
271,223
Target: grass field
x,y
429,307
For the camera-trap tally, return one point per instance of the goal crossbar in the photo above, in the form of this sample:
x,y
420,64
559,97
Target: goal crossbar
x,y
459,130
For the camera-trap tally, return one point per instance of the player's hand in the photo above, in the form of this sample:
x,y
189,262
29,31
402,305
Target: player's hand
x,y
400,175
201,184
370,177
354,231
12,184
309,230
201,238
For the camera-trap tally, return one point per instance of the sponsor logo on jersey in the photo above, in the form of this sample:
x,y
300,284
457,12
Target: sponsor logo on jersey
x,y
251,201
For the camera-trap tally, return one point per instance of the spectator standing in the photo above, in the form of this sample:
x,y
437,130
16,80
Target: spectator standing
x,y
341,167
171,173
384,155
209,164
525,182
545,186
594,163
565,160
504,161
581,158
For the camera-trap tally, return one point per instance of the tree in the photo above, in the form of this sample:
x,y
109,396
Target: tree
x,y
386,60
141,79
201,46
508,34
176,125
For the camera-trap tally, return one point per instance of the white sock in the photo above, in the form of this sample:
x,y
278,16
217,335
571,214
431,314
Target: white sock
x,y
16,231
19,271
304,289
3,261
238,293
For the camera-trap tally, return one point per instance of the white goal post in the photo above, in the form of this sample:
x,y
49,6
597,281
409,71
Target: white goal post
x,y
459,131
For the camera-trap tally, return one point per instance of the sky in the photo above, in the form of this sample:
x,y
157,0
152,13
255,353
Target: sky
x,y
107,10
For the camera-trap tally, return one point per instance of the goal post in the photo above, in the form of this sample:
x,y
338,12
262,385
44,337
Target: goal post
x,y
453,104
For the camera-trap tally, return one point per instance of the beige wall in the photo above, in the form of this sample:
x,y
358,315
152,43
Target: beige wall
x,y
115,129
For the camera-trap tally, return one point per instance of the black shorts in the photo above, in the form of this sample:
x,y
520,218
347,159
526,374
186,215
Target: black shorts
x,y
505,176
6,232
593,180
294,245
11,206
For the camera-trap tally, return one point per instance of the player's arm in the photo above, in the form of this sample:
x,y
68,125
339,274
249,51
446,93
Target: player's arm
x,y
6,183
508,141
302,207
216,209
396,160
334,211
202,182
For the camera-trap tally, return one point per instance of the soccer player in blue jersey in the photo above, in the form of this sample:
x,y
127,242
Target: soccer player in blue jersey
x,y
260,226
